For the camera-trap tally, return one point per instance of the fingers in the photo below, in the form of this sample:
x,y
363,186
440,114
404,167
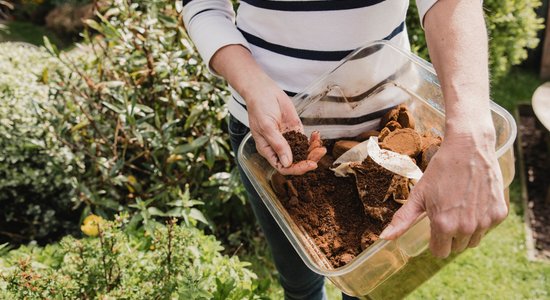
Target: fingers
x,y
460,243
267,152
440,243
279,145
476,238
404,217
316,154
315,141
299,168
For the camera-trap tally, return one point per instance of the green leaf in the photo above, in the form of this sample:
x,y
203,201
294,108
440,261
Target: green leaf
x,y
199,142
169,21
210,156
197,215
153,211
144,108
50,47
94,25
113,107
196,111
80,125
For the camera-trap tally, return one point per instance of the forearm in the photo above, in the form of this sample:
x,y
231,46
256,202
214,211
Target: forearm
x,y
457,42
236,64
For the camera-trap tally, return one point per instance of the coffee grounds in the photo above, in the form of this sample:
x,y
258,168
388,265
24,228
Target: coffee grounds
x,y
298,144
373,181
329,210
342,215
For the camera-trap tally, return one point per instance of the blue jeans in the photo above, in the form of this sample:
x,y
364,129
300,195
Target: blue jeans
x,y
297,280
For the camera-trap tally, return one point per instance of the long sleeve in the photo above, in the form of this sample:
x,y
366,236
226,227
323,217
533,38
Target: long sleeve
x,y
423,7
211,26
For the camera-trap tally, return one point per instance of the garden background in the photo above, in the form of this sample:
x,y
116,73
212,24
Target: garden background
x,y
114,121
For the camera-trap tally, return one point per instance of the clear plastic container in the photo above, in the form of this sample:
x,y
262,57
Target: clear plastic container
x,y
359,90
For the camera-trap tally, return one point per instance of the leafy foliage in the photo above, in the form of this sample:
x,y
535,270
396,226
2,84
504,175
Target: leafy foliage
x,y
512,26
170,262
36,193
146,115
128,121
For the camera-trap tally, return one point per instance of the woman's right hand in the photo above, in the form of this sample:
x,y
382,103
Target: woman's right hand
x,y
270,114
270,110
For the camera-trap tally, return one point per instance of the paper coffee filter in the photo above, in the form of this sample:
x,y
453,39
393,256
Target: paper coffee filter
x,y
395,162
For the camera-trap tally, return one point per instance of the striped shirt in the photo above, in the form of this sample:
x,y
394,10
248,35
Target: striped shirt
x,y
295,42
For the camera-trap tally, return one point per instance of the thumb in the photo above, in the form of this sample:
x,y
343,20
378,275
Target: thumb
x,y
404,217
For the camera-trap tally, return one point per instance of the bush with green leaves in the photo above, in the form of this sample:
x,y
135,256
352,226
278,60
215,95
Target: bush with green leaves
x,y
37,190
169,262
512,27
147,117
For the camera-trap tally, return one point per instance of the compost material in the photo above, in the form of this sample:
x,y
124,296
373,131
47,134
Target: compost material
x,y
536,153
345,215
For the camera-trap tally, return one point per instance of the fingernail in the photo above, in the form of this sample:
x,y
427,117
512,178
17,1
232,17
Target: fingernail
x,y
387,232
285,161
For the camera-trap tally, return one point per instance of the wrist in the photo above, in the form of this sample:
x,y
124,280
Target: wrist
x,y
476,133
254,86
468,114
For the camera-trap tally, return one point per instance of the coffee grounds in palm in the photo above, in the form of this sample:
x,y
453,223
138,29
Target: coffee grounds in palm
x,y
298,144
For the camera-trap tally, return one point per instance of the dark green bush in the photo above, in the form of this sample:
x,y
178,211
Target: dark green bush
x,y
37,190
173,262
512,26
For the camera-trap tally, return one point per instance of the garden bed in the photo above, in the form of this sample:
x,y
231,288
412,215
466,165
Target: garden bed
x,y
534,154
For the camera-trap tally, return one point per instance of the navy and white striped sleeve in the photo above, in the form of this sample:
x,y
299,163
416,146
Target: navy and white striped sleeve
x,y
211,26
423,7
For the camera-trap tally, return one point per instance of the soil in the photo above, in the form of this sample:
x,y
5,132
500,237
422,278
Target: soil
x,y
535,141
298,144
345,215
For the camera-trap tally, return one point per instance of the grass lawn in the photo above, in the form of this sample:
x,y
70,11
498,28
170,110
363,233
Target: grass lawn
x,y
498,268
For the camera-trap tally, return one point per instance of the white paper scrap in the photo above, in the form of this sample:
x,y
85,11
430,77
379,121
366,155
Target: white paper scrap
x,y
397,163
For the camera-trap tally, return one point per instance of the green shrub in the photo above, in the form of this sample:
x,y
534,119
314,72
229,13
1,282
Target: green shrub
x,y
512,26
172,262
37,192
147,117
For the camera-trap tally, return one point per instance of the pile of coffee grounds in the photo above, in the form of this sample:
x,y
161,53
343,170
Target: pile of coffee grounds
x,y
298,144
345,215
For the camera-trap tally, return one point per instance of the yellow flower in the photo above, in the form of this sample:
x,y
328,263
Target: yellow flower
x,y
91,224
